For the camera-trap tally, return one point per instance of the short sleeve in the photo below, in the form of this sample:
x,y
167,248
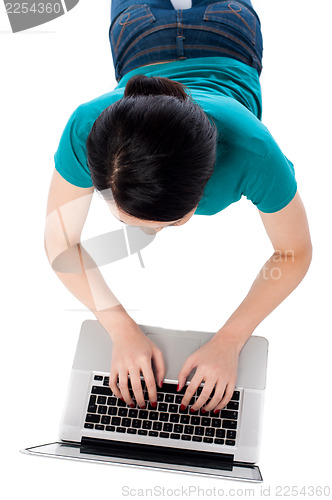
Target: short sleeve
x,y
70,157
271,181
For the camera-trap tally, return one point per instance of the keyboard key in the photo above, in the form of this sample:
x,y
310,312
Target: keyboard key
x,y
216,422
228,442
137,423
153,415
88,426
195,420
147,424
168,427
153,433
178,399
232,405
93,400
91,418
169,398
220,433
163,407
98,377
142,432
172,408
106,381
111,401
231,434
229,424
163,417
123,412
230,415
197,438
110,428
126,422
186,437
101,400
105,419
209,431
175,436
219,441
178,428
160,396
189,429
143,414
112,410
206,421
102,410
116,421
236,396
164,434
132,413
185,419
174,417
157,426
120,429
199,431
99,427
131,431
92,408
121,403
104,391
208,440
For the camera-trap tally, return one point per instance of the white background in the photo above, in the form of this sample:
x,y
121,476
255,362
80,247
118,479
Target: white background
x,y
195,276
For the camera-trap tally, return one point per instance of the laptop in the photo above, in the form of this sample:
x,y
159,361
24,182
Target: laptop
x,y
98,427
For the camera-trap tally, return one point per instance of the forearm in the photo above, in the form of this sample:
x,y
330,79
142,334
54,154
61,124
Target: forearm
x,y
89,287
280,275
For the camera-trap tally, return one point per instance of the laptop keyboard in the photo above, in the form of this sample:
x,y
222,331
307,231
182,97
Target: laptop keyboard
x,y
106,412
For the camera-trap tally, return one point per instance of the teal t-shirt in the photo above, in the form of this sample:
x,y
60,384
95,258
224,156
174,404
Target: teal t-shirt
x,y
249,162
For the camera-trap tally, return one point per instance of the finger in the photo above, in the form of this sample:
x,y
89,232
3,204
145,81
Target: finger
x,y
159,364
113,383
216,397
191,389
226,397
123,386
204,396
136,385
150,384
187,367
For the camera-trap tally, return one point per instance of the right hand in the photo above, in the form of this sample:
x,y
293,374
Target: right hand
x,y
133,352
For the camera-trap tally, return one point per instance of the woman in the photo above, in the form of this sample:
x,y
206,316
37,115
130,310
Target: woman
x,y
180,134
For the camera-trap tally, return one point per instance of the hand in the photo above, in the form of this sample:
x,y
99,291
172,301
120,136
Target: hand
x,y
133,352
216,363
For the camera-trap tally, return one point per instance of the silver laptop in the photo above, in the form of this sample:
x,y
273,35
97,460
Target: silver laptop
x,y
96,426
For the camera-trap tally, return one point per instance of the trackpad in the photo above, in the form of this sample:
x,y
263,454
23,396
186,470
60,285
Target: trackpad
x,y
175,349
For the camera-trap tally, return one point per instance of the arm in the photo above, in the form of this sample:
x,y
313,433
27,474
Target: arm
x,y
216,361
67,209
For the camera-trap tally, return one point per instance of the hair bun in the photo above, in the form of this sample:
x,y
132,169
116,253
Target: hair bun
x,y
155,85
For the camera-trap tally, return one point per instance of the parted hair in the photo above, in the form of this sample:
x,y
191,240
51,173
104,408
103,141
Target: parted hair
x,y
155,149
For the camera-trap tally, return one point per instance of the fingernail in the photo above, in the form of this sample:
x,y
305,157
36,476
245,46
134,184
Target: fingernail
x,y
142,407
154,404
183,407
216,411
178,387
122,399
132,405
192,410
161,384
203,411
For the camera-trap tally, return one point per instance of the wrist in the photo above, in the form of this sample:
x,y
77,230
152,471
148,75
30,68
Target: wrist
x,y
234,338
114,319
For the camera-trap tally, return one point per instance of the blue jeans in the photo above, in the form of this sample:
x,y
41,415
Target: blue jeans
x,y
153,31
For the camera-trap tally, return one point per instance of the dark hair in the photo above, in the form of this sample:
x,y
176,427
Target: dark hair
x,y
155,149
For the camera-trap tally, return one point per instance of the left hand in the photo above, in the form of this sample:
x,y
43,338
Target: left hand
x,y
216,363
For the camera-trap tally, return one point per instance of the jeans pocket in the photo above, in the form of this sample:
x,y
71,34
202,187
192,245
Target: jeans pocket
x,y
234,15
128,25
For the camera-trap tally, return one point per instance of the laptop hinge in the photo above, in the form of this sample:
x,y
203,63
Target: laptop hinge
x,y
153,453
